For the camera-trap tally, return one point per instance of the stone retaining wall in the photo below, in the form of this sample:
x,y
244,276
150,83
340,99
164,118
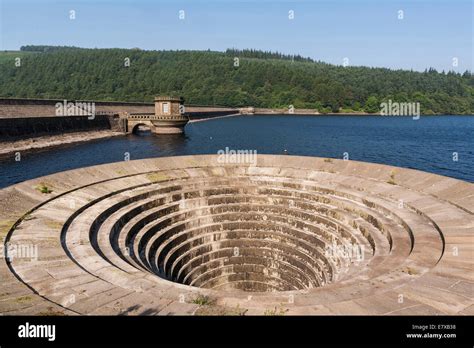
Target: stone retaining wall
x,y
38,126
37,117
15,107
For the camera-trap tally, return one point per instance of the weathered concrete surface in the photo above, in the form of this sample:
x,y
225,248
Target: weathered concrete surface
x,y
12,128
24,107
21,118
290,235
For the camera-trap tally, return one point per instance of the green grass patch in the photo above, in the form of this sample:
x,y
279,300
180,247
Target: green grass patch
x,y
156,177
202,300
276,311
23,299
391,181
43,188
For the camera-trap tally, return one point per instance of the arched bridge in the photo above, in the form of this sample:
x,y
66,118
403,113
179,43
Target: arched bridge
x,y
158,124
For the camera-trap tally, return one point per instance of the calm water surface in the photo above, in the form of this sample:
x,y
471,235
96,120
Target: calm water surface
x,y
425,144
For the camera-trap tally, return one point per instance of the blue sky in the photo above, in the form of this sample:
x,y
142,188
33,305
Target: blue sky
x,y
367,32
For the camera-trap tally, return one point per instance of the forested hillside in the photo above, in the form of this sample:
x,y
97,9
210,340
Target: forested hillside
x,y
261,79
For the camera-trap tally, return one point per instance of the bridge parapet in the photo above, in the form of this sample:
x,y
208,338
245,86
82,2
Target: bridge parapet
x,y
147,115
152,116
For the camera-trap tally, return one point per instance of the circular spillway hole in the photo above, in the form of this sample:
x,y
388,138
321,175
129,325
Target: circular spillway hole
x,y
238,238
239,256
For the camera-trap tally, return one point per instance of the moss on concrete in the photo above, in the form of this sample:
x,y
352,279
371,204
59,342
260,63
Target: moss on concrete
x,y
53,224
5,226
44,188
156,177
23,299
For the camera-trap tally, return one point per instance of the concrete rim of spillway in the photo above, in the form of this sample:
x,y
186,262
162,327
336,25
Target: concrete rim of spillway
x,y
151,236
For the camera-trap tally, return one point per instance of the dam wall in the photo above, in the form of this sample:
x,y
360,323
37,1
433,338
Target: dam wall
x,y
205,112
12,128
24,107
18,108
285,111
37,117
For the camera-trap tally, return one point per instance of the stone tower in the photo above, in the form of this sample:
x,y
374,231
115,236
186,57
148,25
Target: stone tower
x,y
169,115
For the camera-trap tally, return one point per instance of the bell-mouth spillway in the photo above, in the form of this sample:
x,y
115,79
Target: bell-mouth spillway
x,y
310,235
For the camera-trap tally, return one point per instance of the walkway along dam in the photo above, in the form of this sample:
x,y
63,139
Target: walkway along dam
x,y
192,235
37,117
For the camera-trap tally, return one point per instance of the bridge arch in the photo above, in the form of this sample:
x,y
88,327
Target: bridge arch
x,y
133,122
136,126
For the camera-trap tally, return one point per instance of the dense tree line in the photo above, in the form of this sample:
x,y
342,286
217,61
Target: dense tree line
x,y
45,48
250,53
261,79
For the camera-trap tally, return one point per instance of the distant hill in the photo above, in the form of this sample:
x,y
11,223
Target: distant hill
x,y
261,79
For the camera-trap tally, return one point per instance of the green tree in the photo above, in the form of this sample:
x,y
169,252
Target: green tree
x,y
372,105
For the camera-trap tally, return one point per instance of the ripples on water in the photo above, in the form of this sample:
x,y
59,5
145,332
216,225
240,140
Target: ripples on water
x,y
426,144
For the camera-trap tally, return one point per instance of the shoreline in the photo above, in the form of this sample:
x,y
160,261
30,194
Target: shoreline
x,y
304,112
36,144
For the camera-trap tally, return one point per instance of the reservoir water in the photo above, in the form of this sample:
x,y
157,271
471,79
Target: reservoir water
x,y
443,144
